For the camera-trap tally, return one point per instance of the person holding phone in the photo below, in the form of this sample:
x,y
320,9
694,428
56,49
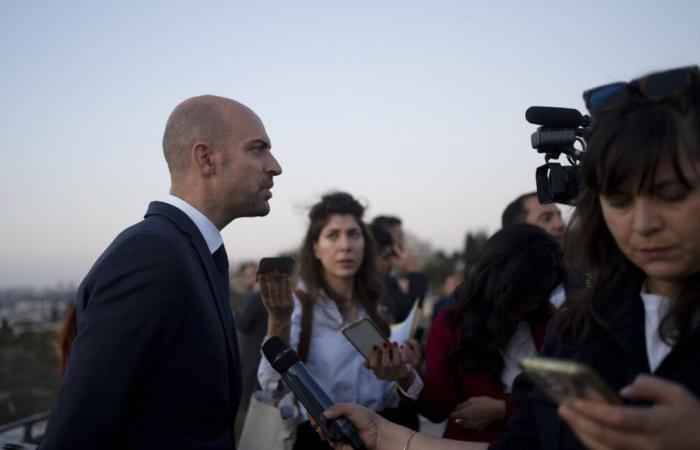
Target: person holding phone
x,y
637,232
337,284
473,349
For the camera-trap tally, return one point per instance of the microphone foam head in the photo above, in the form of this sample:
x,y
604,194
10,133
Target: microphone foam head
x,y
279,354
549,116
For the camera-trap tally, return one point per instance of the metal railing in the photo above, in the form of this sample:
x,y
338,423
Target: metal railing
x,y
27,424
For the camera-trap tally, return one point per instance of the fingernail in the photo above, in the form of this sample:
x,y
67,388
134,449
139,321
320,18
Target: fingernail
x,y
401,347
386,345
375,348
395,344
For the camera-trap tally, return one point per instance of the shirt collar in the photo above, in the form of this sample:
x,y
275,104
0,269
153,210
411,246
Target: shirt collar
x,y
205,226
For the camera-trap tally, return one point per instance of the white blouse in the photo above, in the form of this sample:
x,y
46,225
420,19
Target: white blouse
x,y
655,309
520,346
333,362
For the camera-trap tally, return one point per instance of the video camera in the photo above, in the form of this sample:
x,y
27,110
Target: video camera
x,y
560,129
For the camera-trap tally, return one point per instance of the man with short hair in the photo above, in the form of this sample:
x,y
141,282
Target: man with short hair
x,y
410,285
155,362
528,209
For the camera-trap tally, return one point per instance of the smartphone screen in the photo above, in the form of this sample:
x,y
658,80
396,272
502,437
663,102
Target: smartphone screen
x,y
364,335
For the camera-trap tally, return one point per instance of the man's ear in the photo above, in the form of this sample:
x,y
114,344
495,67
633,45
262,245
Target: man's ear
x,y
203,157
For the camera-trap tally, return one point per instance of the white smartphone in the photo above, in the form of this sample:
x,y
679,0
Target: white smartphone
x,y
364,335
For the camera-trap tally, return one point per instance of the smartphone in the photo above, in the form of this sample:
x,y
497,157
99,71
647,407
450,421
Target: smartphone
x,y
364,335
565,380
283,264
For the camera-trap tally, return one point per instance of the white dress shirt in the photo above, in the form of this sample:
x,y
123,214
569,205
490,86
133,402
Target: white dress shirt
x,y
204,225
520,345
558,296
655,309
333,362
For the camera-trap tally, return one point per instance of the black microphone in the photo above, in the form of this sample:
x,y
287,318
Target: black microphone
x,y
551,117
297,378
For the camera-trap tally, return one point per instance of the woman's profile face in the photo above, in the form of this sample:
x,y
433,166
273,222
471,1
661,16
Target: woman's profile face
x,y
340,247
658,230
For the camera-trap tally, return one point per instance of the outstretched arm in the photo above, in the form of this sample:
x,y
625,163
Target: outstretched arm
x,y
378,433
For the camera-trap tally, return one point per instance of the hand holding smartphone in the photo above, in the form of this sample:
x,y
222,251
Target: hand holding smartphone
x,y
276,287
565,380
364,335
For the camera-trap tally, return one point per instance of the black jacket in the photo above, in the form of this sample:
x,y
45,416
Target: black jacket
x,y
155,363
618,354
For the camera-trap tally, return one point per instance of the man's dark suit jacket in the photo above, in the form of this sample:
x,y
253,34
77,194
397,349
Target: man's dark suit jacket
x,y
155,363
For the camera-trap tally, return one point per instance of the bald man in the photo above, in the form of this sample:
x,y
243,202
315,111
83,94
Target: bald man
x,y
155,362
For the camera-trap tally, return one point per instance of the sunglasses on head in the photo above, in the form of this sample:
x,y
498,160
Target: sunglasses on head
x,y
654,87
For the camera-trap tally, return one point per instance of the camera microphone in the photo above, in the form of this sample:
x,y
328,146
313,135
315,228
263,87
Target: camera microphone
x,y
551,117
297,377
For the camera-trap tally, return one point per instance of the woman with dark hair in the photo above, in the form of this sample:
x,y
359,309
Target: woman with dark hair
x,y
637,229
337,284
473,349
66,336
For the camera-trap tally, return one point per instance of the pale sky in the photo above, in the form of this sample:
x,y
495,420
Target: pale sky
x,y
416,108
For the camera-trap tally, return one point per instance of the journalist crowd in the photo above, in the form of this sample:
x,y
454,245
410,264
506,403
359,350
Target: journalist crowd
x,y
154,356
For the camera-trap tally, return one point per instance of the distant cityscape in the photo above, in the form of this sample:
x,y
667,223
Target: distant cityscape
x,y
29,357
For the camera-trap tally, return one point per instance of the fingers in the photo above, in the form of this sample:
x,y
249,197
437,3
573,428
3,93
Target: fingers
x,y
597,436
316,427
460,410
628,418
397,356
360,416
386,369
276,292
337,410
415,346
374,359
654,388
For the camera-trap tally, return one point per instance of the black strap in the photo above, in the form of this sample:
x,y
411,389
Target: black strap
x,y
306,323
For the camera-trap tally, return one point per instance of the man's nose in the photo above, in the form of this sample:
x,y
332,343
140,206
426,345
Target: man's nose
x,y
272,166
558,223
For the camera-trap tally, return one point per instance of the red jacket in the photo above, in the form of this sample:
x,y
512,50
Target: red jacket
x,y
443,390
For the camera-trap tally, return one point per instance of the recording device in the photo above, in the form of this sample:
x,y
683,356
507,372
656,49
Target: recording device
x,y
282,264
560,129
364,335
298,379
566,380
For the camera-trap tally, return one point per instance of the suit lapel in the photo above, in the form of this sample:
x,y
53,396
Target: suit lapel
x,y
221,303
223,309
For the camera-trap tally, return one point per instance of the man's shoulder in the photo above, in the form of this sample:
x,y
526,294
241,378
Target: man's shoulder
x,y
148,233
151,239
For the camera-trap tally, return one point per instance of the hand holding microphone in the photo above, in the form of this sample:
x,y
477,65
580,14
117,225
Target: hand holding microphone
x,y
298,379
